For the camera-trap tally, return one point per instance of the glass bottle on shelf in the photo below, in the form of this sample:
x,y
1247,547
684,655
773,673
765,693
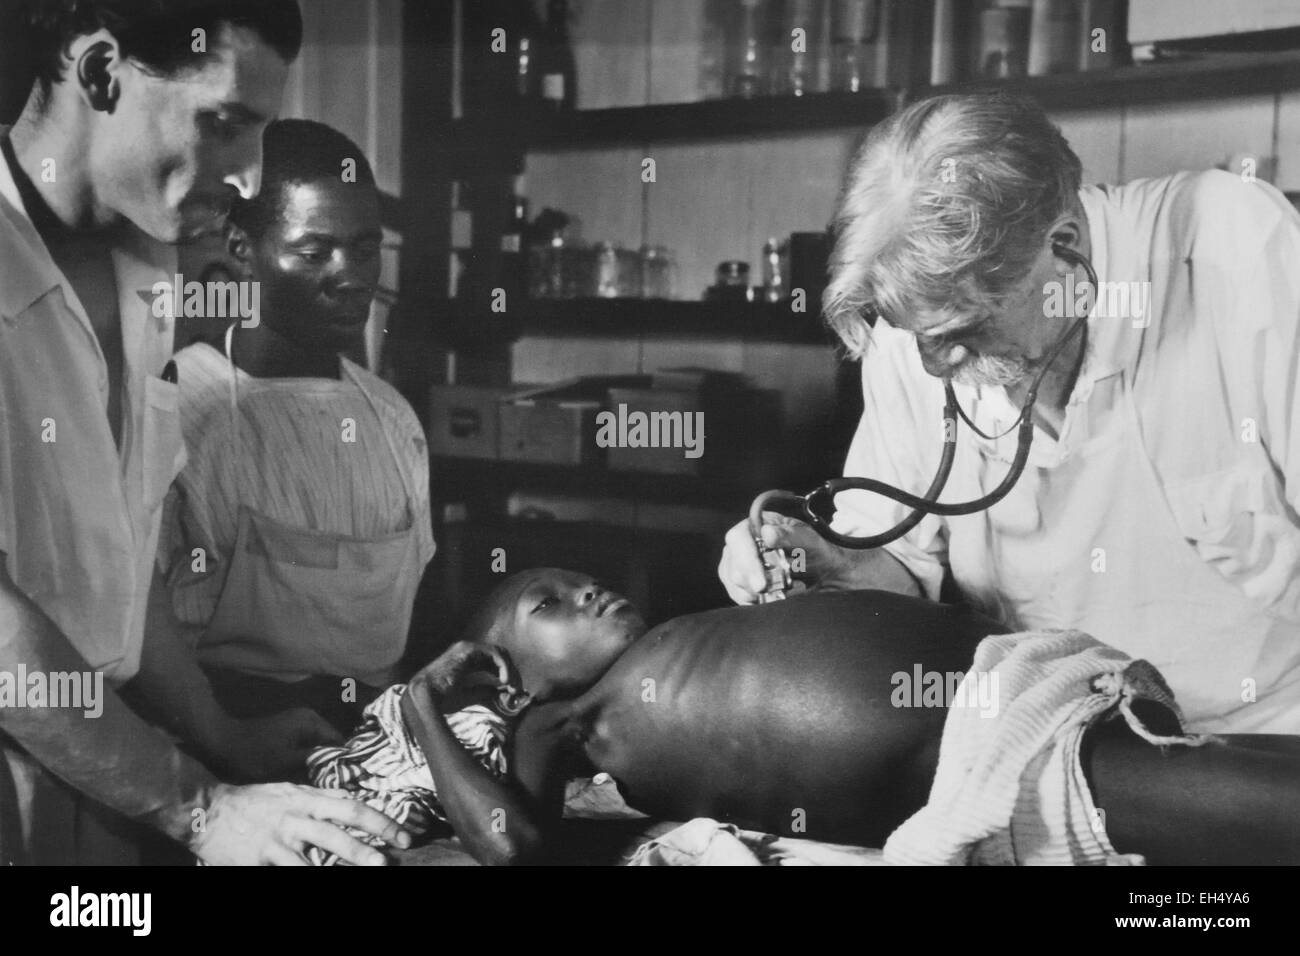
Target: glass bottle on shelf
x,y
527,33
1105,48
556,72
716,20
824,60
749,73
1053,37
731,283
798,46
658,272
776,270
853,34
513,276
462,240
1004,39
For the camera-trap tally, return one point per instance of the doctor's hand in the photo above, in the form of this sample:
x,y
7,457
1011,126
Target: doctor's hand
x,y
270,748
274,823
816,564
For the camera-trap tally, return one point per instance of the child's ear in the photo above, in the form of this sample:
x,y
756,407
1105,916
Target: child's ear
x,y
512,702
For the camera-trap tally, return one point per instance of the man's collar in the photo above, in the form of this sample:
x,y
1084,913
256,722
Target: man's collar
x,y
28,271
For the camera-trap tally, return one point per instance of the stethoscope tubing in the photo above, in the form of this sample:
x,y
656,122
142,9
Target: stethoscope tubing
x,y
928,503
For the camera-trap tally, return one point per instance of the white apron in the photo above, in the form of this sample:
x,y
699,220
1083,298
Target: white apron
x,y
1146,589
298,602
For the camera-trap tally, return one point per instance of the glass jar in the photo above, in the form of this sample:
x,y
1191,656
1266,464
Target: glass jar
x,y
606,271
799,47
853,36
732,273
731,283
657,272
1004,39
546,268
717,21
776,270
749,52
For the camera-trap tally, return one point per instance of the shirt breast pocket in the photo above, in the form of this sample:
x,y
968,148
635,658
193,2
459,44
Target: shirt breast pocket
x,y
1238,523
164,446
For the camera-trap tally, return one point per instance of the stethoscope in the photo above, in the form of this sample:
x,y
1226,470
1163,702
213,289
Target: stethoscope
x,y
776,564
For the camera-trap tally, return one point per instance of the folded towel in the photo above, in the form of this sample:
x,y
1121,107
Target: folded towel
x,y
1010,787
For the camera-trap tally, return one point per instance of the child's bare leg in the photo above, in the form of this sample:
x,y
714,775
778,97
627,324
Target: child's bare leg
x,y
1235,802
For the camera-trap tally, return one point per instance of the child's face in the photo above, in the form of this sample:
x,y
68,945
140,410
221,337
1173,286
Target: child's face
x,y
565,629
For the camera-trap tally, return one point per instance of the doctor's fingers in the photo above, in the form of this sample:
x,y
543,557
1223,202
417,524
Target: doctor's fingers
x,y
809,553
741,570
327,836
472,663
780,531
478,662
354,813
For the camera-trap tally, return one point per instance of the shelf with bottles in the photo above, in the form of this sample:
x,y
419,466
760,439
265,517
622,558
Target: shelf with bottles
x,y
1216,75
857,61
462,324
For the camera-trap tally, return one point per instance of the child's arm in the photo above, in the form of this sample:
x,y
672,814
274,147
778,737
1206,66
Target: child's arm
x,y
1227,803
498,823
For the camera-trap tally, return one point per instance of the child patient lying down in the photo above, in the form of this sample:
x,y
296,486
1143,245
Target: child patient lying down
x,y
801,718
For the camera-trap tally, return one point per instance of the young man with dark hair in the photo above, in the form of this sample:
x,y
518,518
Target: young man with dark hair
x,y
306,488
143,124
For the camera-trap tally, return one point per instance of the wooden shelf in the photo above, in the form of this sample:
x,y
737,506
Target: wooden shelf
x,y
460,325
711,119
1209,75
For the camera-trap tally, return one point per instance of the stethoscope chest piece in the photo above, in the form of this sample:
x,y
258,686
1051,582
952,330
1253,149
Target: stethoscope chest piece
x,y
776,568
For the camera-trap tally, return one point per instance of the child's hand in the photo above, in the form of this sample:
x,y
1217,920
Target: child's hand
x,y
451,679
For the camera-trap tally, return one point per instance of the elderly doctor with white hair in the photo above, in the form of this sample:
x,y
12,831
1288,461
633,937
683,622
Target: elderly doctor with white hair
x,y
1158,511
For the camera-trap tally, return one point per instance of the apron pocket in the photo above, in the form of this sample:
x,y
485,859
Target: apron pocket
x,y
303,602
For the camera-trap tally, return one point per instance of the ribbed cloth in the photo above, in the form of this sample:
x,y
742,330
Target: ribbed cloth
x,y
384,767
1010,787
